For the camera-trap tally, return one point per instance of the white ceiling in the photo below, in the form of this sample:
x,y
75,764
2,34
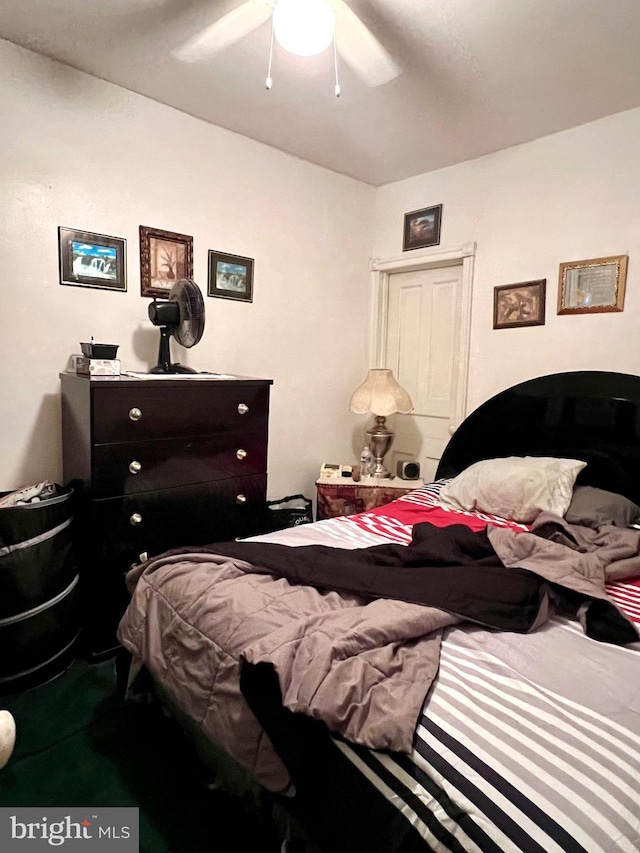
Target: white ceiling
x,y
478,75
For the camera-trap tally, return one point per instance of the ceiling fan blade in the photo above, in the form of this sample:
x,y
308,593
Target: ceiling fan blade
x,y
224,32
361,50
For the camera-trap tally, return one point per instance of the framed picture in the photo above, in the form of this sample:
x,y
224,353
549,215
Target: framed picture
x,y
422,228
92,260
230,276
590,287
165,257
516,305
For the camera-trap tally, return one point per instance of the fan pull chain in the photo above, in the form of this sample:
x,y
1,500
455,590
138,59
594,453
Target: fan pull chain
x,y
269,80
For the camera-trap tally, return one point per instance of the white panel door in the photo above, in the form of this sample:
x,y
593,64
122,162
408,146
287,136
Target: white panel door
x,y
423,350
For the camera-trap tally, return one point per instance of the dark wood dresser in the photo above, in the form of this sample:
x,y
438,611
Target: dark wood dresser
x,y
158,464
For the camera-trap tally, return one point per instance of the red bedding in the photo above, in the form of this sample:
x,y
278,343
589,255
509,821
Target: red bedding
x,y
394,521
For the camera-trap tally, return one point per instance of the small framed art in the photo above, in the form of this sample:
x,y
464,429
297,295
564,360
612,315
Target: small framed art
x,y
230,276
591,287
516,305
422,228
165,258
92,260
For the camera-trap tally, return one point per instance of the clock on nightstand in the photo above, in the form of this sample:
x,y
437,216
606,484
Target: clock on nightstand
x,y
339,496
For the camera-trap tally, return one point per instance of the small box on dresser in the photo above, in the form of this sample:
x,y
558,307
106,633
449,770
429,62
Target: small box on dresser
x,y
158,464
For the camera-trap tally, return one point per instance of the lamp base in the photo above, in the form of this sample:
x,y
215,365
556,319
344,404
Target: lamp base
x,y
380,441
378,471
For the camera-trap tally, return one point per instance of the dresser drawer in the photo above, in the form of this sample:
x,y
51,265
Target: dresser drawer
x,y
126,413
169,518
199,514
144,466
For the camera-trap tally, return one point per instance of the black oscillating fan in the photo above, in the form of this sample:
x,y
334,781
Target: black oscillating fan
x,y
181,315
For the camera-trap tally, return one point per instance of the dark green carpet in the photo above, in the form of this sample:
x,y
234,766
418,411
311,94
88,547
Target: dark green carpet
x,y
79,744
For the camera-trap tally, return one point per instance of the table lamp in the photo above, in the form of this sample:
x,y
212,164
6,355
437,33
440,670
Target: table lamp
x,y
381,395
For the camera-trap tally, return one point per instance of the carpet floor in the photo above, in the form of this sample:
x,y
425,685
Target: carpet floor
x,y
79,744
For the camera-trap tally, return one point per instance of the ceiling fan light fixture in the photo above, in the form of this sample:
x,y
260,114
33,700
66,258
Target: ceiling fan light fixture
x,y
304,27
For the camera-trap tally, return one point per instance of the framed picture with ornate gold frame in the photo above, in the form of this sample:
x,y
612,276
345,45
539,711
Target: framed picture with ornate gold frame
x,y
593,286
165,257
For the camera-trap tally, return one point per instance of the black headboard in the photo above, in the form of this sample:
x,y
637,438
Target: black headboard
x,y
588,415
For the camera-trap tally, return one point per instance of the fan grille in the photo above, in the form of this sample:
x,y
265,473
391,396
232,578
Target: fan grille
x,y
189,298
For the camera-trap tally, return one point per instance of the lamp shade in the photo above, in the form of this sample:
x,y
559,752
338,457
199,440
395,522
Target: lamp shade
x,y
381,395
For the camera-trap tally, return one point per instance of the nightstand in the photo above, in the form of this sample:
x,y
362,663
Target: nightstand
x,y
343,496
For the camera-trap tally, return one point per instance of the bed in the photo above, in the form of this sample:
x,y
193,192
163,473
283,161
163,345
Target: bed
x,y
487,699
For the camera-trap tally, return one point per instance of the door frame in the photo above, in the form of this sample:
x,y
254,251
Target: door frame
x,y
382,268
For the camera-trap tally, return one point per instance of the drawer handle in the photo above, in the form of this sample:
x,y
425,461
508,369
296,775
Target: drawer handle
x,y
135,414
241,454
136,518
241,499
135,467
243,409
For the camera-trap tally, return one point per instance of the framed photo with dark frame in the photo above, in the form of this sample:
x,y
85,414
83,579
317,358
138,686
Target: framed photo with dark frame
x,y
92,260
422,228
230,276
592,287
517,305
165,258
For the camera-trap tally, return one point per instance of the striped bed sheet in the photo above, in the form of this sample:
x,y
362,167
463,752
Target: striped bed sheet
x,y
506,759
526,743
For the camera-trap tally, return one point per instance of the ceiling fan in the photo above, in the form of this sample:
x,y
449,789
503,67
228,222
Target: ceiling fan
x,y
303,27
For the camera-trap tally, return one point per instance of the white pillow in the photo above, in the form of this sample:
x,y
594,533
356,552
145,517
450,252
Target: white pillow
x,y
515,487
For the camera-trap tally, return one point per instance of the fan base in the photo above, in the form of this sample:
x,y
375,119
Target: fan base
x,y
172,368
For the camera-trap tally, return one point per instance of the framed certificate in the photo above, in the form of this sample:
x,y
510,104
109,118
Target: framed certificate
x,y
593,286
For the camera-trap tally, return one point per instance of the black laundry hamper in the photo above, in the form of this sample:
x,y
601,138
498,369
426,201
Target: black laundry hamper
x,y
39,592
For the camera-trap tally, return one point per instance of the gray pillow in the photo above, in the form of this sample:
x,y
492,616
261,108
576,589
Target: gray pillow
x,y
593,507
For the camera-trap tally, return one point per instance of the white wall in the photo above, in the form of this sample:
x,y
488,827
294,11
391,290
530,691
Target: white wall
x,y
79,152
567,197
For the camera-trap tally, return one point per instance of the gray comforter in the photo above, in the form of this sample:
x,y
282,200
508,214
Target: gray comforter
x,y
361,666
